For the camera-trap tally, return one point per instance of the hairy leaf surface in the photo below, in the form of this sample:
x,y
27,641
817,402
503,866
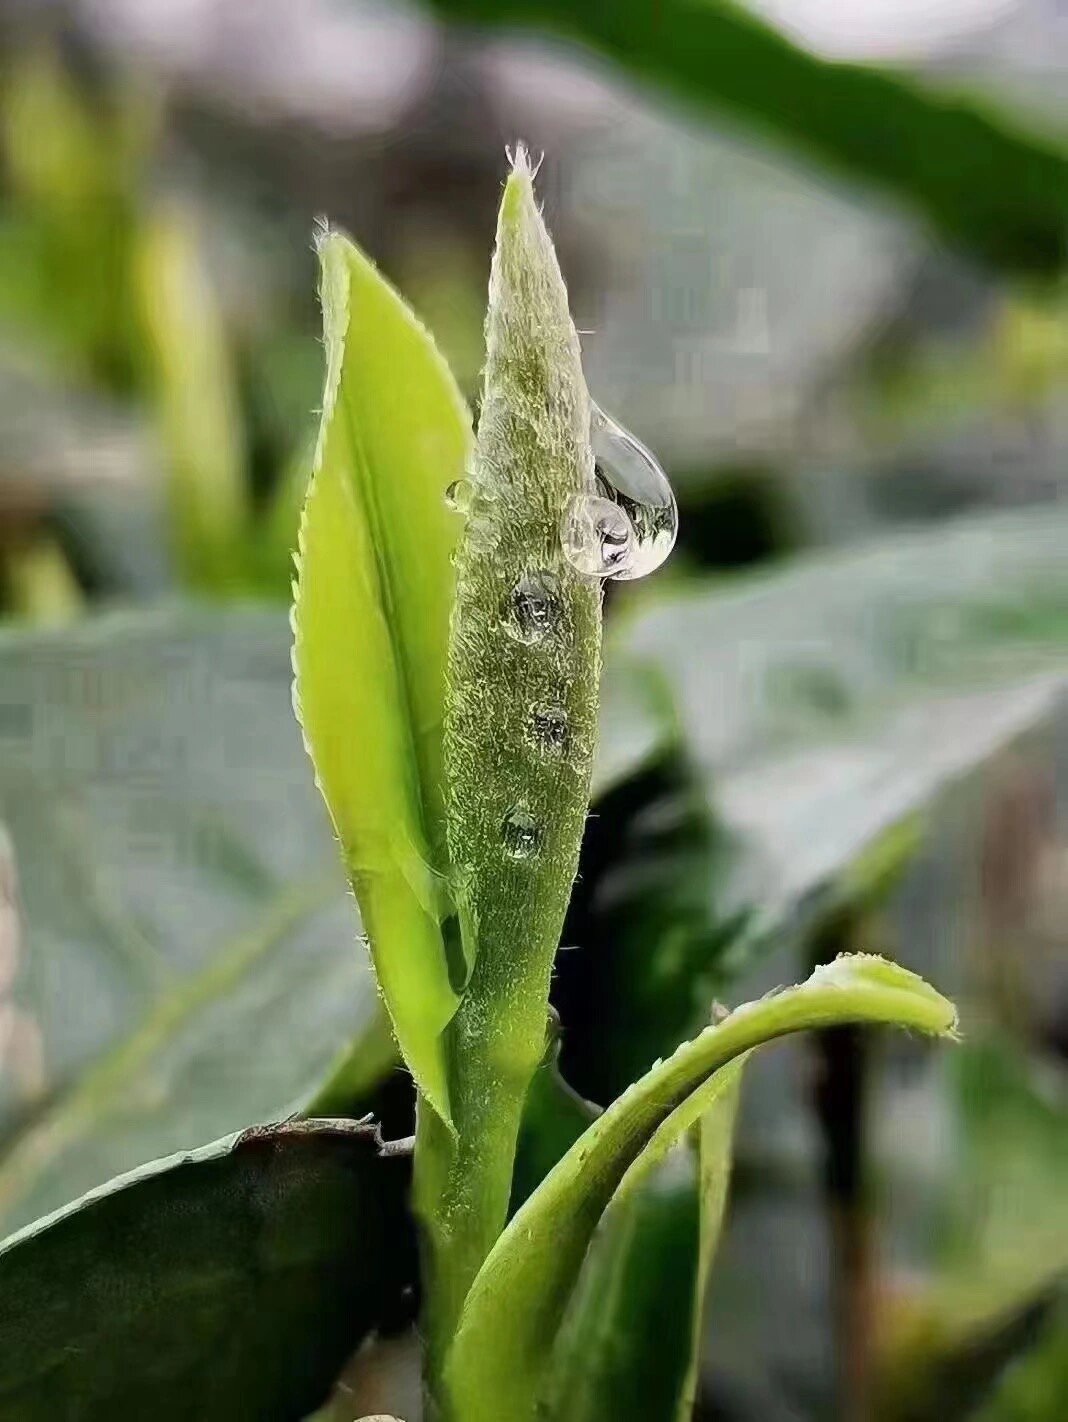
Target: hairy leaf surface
x,y
520,732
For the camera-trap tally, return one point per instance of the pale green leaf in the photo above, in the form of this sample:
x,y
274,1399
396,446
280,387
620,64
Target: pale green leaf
x,y
871,679
371,626
526,1282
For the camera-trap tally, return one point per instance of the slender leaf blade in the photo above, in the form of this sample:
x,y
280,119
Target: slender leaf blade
x,y
645,1277
536,1261
371,619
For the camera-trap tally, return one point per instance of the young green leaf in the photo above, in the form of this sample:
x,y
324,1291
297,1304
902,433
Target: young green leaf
x,y
645,1276
497,1365
371,621
520,730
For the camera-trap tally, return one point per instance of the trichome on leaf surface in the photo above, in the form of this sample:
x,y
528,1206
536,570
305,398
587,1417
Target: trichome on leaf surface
x,y
448,615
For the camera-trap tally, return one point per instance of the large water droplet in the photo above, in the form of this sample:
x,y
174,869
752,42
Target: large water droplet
x,y
520,833
629,475
596,535
534,607
460,495
550,728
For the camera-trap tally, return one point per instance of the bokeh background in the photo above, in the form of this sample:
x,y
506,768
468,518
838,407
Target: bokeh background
x,y
819,269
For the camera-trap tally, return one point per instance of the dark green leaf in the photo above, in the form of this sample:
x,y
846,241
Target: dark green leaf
x,y
554,1116
985,184
230,1282
645,947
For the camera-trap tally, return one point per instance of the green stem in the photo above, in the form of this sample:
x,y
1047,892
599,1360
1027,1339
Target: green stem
x,y
462,1183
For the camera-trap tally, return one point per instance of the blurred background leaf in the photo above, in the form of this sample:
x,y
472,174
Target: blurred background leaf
x,y
181,947
983,183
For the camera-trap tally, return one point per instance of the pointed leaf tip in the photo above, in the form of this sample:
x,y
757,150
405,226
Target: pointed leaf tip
x,y
371,617
851,970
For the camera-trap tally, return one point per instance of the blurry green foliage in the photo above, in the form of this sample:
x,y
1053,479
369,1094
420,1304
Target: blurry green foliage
x,y
108,285
990,188
71,170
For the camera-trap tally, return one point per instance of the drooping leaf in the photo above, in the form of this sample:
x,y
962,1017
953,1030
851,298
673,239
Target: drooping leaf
x,y
530,1274
982,182
645,1278
180,932
520,732
371,624
231,1281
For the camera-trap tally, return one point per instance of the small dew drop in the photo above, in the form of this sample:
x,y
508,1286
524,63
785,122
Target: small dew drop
x,y
596,536
534,607
520,833
459,495
550,728
631,478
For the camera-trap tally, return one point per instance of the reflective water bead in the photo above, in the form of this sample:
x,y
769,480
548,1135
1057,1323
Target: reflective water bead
x,y
550,728
596,536
629,475
520,833
459,495
534,607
